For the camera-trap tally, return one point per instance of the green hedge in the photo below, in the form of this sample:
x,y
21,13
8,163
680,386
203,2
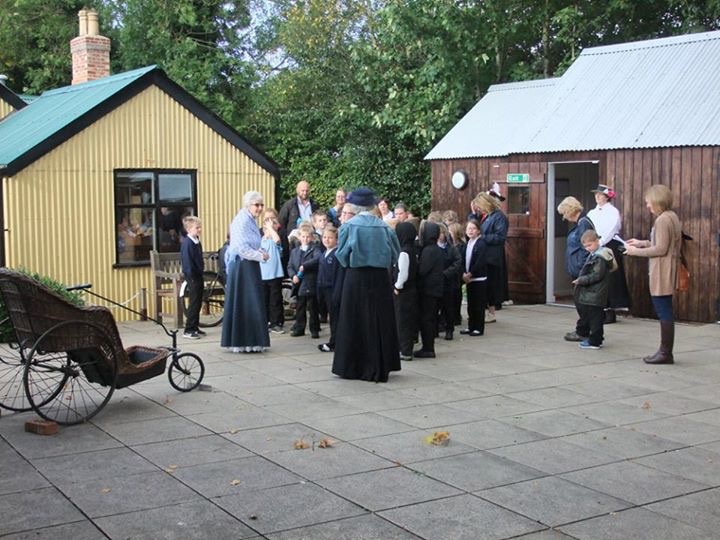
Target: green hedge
x,y
74,297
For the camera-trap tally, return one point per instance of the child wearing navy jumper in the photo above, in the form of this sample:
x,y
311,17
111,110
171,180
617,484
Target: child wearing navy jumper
x,y
191,259
303,269
430,287
326,281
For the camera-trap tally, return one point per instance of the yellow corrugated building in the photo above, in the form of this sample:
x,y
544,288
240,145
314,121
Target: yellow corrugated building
x,y
97,174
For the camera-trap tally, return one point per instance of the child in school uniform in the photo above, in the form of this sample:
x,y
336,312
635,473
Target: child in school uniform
x,y
303,269
272,274
406,301
191,259
326,281
474,265
452,267
592,287
430,288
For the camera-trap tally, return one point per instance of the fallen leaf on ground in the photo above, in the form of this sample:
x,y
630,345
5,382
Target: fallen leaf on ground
x,y
301,444
645,405
327,442
439,438
235,482
168,400
234,431
105,490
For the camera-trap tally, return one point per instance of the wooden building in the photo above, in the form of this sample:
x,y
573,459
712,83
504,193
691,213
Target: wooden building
x,y
97,174
629,116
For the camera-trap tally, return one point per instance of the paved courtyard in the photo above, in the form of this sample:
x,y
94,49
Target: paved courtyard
x,y
547,442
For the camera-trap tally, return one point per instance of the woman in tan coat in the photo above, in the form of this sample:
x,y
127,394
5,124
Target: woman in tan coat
x,y
663,249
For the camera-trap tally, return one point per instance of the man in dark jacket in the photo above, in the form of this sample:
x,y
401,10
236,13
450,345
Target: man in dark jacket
x,y
430,289
297,209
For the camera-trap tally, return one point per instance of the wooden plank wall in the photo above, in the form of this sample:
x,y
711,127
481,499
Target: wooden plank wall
x,y
693,174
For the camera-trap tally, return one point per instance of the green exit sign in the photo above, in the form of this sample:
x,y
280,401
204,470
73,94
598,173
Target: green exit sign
x,y
518,178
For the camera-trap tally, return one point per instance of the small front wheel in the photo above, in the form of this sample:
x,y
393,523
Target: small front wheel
x,y
186,372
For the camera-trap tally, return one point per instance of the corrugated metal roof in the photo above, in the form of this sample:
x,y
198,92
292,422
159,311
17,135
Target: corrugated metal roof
x,y
55,110
496,121
646,94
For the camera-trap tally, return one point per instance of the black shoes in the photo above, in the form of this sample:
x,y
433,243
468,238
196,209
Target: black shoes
x,y
448,336
424,354
315,335
297,333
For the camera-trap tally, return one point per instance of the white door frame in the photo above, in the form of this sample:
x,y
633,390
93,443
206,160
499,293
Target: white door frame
x,y
550,228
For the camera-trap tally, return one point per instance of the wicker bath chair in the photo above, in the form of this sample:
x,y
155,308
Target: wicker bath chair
x,y
72,358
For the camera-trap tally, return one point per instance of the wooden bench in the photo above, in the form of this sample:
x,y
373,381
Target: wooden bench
x,y
167,279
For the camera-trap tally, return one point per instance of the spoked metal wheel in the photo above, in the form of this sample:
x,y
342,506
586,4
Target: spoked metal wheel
x,y
12,365
186,372
213,301
69,387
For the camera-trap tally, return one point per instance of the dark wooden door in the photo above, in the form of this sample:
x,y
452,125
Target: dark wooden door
x,y
526,208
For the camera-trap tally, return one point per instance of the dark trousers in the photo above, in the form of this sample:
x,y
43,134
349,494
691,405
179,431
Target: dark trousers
x,y
429,306
325,295
476,302
582,328
274,301
594,316
448,305
406,309
194,292
307,307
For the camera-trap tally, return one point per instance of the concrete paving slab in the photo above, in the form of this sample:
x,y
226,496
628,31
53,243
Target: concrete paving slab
x,y
547,534
340,459
637,523
670,403
554,456
622,442
230,477
80,530
701,510
193,451
443,393
475,471
367,527
495,406
93,465
680,429
410,447
73,439
388,488
35,509
385,400
280,438
615,414
633,482
159,429
553,501
695,463
288,507
246,417
553,423
195,520
359,426
430,416
553,397
464,517
486,434
16,474
123,494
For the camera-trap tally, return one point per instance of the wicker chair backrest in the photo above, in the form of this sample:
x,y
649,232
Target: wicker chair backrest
x,y
34,309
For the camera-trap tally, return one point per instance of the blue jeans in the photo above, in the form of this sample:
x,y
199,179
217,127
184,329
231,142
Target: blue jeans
x,y
663,307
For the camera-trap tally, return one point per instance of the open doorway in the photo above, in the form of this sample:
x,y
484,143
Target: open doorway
x,y
565,179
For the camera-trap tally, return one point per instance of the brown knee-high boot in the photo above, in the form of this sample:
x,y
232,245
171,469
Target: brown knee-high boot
x,y
667,341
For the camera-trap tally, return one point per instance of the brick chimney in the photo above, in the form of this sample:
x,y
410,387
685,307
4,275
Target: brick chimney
x,y
90,50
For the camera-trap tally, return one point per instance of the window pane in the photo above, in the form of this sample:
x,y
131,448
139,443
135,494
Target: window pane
x,y
135,233
171,227
174,188
519,200
134,188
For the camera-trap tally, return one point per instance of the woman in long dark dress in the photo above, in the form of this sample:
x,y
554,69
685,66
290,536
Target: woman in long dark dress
x,y
367,346
244,319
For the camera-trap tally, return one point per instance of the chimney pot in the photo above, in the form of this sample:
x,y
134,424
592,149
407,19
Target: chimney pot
x,y
82,17
93,27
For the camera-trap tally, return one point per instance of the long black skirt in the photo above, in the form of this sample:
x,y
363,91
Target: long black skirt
x,y
244,316
366,346
618,294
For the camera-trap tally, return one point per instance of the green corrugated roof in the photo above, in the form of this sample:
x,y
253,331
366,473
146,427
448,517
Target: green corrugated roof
x,y
55,110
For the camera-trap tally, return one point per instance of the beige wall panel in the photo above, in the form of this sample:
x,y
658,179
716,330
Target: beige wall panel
x,y
5,108
60,209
